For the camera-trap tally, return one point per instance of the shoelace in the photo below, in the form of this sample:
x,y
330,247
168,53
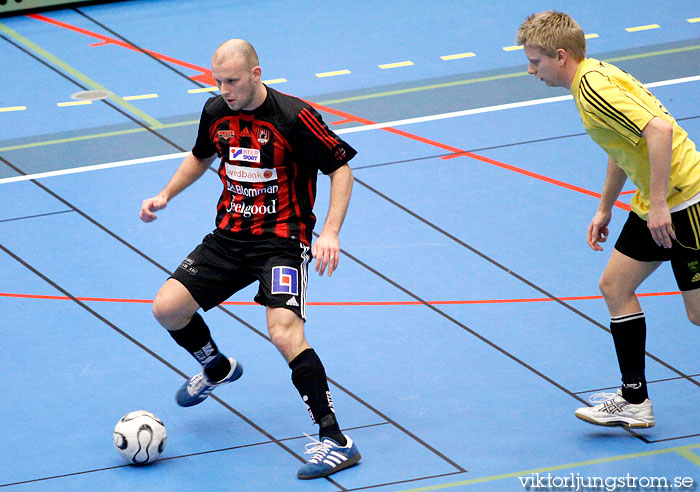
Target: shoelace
x,y
598,398
317,448
196,383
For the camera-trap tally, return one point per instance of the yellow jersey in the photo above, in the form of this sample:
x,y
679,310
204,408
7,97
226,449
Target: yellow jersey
x,y
614,108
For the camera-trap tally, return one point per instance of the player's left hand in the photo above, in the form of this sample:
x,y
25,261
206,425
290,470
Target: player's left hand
x,y
659,224
326,250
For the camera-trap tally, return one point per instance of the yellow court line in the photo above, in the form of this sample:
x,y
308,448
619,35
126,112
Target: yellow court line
x,y
337,101
458,56
53,60
642,28
274,81
332,74
203,89
82,138
681,450
406,63
73,103
13,108
591,36
512,48
696,19
142,96
689,455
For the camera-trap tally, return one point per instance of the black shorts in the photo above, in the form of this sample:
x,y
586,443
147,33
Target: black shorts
x,y
636,242
221,266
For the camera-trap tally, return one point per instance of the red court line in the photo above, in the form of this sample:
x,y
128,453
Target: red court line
x,y
341,303
462,153
205,76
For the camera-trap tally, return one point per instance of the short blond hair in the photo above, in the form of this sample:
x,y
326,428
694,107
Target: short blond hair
x,y
550,31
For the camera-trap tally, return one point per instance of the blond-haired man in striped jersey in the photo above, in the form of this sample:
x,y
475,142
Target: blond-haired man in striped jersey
x,y
645,144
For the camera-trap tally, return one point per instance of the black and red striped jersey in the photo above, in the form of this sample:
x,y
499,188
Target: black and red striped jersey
x,y
270,158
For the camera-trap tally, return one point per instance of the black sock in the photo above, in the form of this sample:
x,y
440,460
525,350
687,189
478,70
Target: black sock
x,y
629,334
196,339
309,378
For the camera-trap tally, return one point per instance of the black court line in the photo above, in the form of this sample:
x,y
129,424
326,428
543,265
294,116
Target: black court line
x,y
121,332
454,239
138,48
515,275
271,438
650,441
483,149
104,101
358,399
648,382
240,320
458,467
554,298
168,458
232,315
37,215
520,278
369,487
152,354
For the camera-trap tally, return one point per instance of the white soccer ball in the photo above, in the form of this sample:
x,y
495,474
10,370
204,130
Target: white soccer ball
x,y
140,437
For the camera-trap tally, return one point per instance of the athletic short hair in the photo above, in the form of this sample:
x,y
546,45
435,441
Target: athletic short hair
x,y
237,48
550,31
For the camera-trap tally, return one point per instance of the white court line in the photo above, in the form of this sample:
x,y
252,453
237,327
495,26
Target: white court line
x,y
488,109
96,167
363,128
454,114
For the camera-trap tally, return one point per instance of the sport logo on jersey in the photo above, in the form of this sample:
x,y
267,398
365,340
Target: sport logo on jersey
x,y
245,155
249,174
284,280
225,134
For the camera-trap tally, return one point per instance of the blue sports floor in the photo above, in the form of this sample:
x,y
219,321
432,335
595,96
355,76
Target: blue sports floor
x,y
464,325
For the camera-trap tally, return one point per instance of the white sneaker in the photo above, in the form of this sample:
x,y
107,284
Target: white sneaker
x,y
613,410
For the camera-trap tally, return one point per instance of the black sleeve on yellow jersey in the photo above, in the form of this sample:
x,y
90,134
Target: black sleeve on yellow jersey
x,y
613,107
318,145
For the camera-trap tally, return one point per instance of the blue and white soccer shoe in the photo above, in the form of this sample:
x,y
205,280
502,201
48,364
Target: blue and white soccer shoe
x,y
199,386
328,457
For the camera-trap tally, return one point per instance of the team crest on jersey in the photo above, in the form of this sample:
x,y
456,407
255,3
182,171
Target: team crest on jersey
x,y
225,134
263,136
245,155
285,280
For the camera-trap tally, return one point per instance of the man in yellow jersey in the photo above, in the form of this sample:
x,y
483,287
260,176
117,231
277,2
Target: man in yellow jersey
x,y
644,143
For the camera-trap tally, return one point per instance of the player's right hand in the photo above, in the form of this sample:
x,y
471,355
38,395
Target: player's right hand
x,y
151,205
598,230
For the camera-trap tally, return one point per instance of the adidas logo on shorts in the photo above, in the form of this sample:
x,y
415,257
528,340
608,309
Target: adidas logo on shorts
x,y
292,302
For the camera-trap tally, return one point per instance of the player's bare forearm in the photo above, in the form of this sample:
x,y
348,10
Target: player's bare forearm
x,y
341,190
326,249
189,171
659,136
615,179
